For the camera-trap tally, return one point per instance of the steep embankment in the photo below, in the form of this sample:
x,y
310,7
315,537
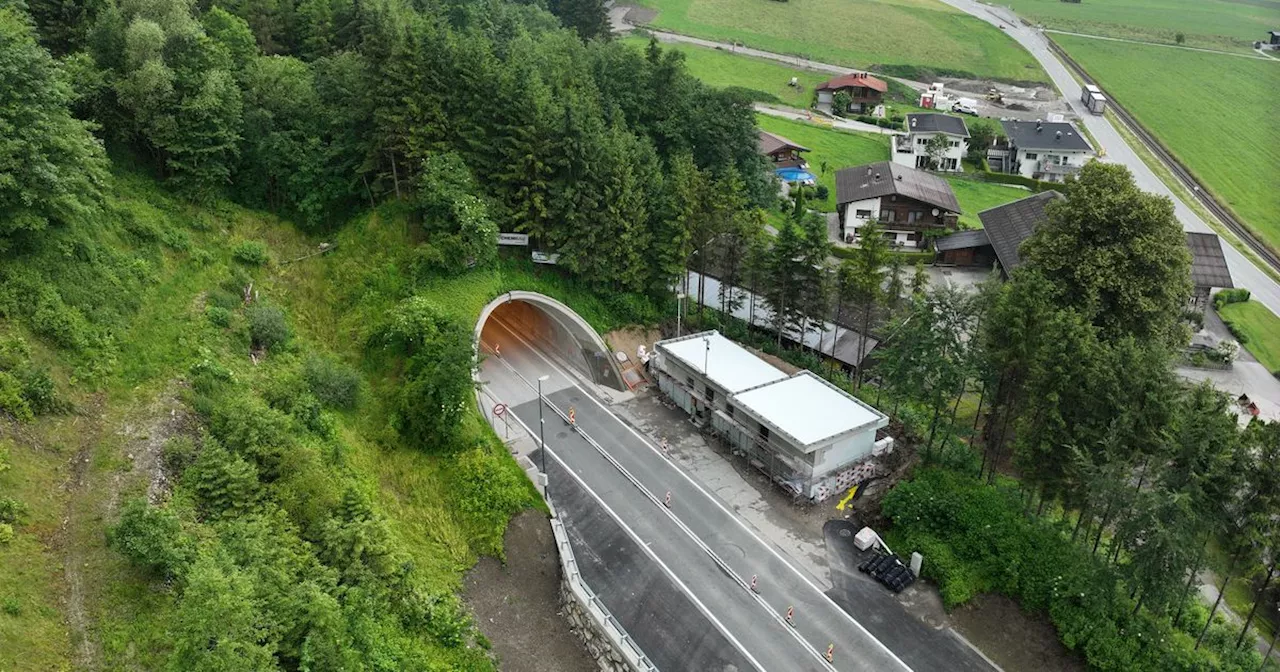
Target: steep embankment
x,y
254,451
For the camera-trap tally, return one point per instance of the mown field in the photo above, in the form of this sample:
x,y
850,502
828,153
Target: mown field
x,y
1261,327
1212,24
766,81
1226,135
841,149
909,38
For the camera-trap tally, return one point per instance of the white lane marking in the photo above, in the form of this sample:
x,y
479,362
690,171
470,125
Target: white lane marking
x,y
648,551
741,523
795,634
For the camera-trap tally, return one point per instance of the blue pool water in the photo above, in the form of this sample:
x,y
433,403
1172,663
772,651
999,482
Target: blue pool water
x,y
796,175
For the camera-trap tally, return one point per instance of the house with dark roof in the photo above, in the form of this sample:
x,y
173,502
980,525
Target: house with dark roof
x,y
865,92
907,203
1040,150
1005,227
782,152
912,149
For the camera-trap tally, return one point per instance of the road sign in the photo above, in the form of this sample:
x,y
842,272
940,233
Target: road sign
x,y
513,239
545,258
499,409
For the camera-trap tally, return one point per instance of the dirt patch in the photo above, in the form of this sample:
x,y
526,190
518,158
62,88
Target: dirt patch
x,y
517,604
637,15
165,418
627,340
1013,638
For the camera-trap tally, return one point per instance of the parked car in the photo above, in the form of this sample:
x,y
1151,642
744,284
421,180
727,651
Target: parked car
x,y
966,106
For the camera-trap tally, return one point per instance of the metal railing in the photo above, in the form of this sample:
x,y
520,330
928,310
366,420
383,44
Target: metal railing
x,y
596,609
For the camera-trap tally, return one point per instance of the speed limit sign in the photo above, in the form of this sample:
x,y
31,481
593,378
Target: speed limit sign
x,y
499,409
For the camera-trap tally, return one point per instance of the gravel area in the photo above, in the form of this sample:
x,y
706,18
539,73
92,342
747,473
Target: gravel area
x,y
517,604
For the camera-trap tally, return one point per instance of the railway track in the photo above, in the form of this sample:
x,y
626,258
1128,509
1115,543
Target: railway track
x,y
1179,171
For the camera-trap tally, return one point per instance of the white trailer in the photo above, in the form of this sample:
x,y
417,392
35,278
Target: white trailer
x,y
1093,99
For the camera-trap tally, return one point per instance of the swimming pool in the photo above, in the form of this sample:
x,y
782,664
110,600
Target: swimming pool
x,y
796,175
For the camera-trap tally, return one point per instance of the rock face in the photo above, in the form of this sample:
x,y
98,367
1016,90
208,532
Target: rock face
x,y
603,638
594,637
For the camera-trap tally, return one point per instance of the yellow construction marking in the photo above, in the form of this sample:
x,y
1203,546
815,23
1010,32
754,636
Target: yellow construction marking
x,y
844,502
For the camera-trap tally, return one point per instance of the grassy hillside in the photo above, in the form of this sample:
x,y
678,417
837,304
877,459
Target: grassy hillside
x,y
1212,24
903,37
132,335
1221,135
766,81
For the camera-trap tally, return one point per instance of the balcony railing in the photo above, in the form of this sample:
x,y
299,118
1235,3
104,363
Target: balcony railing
x,y
1057,168
902,143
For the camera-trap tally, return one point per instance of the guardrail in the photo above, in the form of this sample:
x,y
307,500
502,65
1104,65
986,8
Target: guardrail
x,y
595,608
1180,171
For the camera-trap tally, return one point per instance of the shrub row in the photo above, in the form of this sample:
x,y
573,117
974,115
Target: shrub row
x,y
976,539
1228,296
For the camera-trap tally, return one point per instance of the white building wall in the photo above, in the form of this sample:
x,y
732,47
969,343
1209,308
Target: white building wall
x,y
858,213
841,453
919,144
1028,166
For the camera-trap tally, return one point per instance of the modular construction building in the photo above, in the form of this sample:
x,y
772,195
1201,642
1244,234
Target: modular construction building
x,y
810,437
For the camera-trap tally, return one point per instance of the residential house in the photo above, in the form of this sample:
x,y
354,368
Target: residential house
x,y
810,437
912,149
865,92
910,205
781,151
1005,227
1040,150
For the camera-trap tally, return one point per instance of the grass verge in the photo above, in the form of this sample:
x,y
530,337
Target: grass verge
x,y
1261,328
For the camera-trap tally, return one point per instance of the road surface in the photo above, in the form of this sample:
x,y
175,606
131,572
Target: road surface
x,y
704,548
1243,271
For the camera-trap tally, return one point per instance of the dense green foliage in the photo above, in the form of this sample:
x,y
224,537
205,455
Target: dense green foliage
x,y
51,167
978,539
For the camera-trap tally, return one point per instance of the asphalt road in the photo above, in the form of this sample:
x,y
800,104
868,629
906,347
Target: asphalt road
x,y
703,547
1265,290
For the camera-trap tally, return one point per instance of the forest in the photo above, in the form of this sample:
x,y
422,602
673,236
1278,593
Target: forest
x,y
164,164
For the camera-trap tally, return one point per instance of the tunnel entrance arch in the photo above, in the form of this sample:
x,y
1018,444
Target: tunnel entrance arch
x,y
558,330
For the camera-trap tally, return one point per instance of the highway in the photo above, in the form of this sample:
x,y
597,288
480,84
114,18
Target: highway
x,y
686,535
1264,288
702,546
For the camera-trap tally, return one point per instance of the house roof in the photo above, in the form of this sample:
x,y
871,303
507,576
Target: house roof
x,y
884,178
727,364
854,79
808,409
937,123
1208,265
1045,135
961,240
1009,224
770,143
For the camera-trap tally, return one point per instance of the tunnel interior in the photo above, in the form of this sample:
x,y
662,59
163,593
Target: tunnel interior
x,y
554,329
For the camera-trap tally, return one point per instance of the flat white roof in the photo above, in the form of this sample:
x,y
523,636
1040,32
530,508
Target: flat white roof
x,y
728,365
807,408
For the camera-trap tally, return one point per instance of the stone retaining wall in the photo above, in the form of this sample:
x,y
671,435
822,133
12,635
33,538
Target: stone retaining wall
x,y
606,641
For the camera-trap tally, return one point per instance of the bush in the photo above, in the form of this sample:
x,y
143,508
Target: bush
x,y
977,538
267,326
153,539
489,488
333,383
221,298
1242,337
218,317
251,253
821,192
11,510
1229,296
6,533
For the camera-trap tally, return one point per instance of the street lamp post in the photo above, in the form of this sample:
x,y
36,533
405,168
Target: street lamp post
x,y
679,311
546,482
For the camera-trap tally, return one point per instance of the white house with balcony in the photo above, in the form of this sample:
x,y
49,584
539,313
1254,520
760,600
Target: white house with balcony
x,y
912,150
1041,150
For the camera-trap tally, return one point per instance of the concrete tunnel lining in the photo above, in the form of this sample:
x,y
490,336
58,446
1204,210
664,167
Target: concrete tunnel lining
x,y
572,338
